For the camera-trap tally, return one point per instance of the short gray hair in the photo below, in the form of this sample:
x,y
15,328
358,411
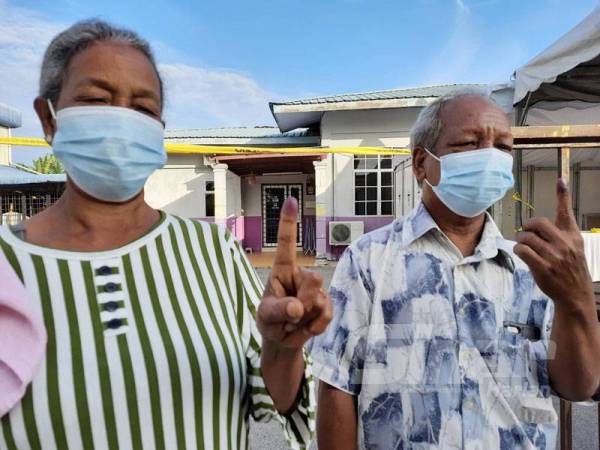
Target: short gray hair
x,y
77,38
427,128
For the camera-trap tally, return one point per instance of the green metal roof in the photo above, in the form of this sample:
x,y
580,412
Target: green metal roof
x,y
11,175
234,132
391,94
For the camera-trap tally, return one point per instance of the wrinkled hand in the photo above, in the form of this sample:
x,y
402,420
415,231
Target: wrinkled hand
x,y
554,253
294,306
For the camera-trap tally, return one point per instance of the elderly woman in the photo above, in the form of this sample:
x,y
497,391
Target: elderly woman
x,y
157,334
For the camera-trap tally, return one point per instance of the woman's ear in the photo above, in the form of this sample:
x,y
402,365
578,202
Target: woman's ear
x,y
418,163
48,123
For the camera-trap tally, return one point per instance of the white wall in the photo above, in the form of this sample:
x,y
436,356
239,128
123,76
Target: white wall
x,y
234,195
252,196
178,188
376,127
589,192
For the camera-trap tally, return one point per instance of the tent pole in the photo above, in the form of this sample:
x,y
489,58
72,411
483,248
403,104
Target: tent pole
x,y
564,156
577,192
530,189
523,111
566,425
518,187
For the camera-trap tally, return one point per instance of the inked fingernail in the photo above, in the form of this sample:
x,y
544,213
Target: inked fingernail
x,y
290,206
562,186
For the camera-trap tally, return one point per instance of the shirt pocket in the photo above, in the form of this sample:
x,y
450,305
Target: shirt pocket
x,y
513,363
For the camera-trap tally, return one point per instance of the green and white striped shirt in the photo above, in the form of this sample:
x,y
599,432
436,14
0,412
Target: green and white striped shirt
x,y
150,346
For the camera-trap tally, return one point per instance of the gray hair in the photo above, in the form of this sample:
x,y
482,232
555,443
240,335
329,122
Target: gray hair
x,y
427,128
77,38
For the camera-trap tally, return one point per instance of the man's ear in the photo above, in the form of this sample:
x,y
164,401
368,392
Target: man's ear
x,y
48,123
418,163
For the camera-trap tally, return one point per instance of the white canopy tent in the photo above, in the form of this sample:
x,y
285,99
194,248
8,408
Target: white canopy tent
x,y
560,87
567,71
557,104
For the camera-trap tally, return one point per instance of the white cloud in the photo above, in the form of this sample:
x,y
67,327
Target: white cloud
x,y
457,54
196,96
461,5
23,39
200,97
470,54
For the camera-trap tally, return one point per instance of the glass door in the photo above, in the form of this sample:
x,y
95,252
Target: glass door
x,y
273,196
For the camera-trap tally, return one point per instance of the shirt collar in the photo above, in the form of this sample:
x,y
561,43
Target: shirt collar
x,y
492,244
417,224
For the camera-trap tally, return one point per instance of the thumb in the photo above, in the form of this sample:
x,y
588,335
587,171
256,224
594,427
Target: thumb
x,y
274,310
565,219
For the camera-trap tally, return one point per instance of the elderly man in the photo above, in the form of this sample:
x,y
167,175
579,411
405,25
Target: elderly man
x,y
445,334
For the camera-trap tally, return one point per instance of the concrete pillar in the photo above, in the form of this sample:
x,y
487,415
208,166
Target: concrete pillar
x,y
235,222
323,202
220,180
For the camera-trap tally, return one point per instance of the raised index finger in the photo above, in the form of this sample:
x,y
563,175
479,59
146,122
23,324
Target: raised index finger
x,y
286,236
565,219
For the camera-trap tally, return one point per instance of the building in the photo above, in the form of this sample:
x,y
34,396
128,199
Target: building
x,y
23,192
230,189
245,192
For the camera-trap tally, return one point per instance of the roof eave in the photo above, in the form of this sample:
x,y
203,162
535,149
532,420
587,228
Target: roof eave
x,y
291,116
408,102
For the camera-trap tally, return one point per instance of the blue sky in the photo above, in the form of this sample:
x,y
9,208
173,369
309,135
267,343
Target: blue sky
x,y
224,60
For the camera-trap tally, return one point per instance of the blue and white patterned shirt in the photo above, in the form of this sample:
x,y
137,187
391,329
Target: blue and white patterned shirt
x,y
443,351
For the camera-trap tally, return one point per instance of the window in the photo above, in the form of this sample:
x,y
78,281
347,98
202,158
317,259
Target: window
x,y
209,198
373,185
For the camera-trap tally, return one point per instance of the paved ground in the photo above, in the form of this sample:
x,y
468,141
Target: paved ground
x,y
585,418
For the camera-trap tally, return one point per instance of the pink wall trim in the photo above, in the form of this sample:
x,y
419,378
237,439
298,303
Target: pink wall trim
x,y
253,235
248,230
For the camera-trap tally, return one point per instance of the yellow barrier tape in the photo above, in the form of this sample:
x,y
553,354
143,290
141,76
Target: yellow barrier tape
x,y
233,150
28,142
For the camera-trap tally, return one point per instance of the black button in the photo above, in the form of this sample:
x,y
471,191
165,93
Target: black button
x,y
110,306
104,270
110,287
114,324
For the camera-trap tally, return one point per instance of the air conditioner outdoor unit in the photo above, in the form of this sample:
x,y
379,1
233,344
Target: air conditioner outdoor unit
x,y
344,233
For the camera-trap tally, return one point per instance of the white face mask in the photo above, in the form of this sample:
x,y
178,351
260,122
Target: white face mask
x,y
109,152
473,180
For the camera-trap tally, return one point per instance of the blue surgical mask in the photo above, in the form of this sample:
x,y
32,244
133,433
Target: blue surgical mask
x,y
472,181
109,152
